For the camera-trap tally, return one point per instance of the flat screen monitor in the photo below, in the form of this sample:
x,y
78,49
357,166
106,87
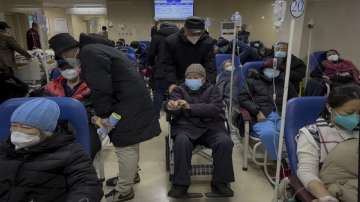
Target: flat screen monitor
x,y
173,9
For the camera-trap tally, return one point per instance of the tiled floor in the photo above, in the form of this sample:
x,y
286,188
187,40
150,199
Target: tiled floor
x,y
250,186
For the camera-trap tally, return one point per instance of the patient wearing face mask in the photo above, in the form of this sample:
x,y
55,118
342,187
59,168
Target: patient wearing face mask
x,y
338,70
39,164
223,82
198,113
69,84
261,95
297,66
328,150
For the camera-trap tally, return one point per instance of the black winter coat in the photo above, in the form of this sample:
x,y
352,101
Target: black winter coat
x,y
179,53
206,111
297,70
257,94
56,170
116,86
156,42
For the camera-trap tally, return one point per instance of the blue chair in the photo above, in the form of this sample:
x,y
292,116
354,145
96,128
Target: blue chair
x,y
220,58
132,57
256,65
315,60
246,117
70,110
300,112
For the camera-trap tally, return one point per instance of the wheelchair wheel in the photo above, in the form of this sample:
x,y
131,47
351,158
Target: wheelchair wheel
x,y
167,154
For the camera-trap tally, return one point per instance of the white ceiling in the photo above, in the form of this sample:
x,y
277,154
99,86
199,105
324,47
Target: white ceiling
x,y
53,3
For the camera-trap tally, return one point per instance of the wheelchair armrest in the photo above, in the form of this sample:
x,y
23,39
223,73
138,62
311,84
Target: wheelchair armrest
x,y
300,192
244,113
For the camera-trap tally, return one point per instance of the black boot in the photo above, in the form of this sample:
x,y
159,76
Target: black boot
x,y
115,196
222,189
178,191
112,182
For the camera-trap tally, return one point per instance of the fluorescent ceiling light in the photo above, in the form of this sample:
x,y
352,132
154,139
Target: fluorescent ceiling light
x,y
87,11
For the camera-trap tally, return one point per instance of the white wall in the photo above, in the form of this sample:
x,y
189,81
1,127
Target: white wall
x,y
132,20
337,27
19,25
52,14
78,26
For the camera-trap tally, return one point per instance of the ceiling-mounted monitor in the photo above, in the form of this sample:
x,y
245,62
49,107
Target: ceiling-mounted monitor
x,y
173,9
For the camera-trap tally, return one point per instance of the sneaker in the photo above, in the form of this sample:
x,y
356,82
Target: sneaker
x,y
112,182
223,189
115,196
178,191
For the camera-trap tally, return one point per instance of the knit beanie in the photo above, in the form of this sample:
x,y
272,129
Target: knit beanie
x,y
40,113
196,68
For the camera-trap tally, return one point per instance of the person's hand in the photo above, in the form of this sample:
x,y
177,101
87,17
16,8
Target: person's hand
x,y
260,117
101,123
172,87
173,105
328,199
183,104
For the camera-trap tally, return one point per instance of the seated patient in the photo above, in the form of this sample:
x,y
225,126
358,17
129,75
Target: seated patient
x,y
40,165
328,149
198,118
339,70
257,95
223,82
297,66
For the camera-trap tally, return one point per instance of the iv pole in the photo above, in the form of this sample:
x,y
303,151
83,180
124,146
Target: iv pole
x,y
236,19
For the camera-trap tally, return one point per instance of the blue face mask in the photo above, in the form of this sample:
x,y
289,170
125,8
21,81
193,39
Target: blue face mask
x,y
271,73
280,54
348,122
193,84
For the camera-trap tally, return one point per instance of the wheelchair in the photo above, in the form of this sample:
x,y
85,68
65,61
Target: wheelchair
x,y
202,169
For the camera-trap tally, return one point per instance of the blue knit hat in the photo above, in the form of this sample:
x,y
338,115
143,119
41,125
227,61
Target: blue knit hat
x,y
40,113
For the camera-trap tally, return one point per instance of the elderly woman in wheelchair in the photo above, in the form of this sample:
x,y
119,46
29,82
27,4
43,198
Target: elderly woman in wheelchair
x,y
328,150
198,119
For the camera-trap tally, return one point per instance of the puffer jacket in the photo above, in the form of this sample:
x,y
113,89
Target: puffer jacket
x,y
56,88
116,86
55,170
297,70
156,42
178,53
256,94
206,111
335,70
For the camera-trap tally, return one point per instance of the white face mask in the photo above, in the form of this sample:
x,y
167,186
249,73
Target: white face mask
x,y
333,58
22,140
193,39
69,74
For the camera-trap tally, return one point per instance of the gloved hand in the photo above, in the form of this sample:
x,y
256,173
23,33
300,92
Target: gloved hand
x,y
328,199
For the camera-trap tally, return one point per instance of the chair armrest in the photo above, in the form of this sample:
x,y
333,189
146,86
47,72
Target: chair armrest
x,y
244,113
300,192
